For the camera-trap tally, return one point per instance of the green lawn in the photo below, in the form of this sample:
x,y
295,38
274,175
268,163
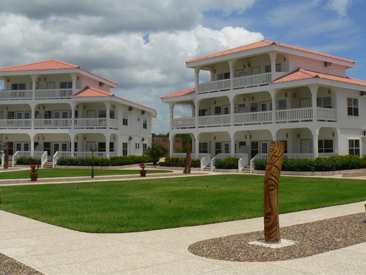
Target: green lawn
x,y
165,203
71,172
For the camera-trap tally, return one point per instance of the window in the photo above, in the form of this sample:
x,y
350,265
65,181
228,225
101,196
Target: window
x,y
223,76
278,67
264,107
264,148
18,86
26,147
203,147
226,110
254,107
218,149
325,146
144,147
354,147
102,114
125,120
76,147
282,104
217,110
101,147
63,147
202,112
112,114
227,148
124,148
18,147
267,68
144,124
324,102
11,115
352,106
111,147
27,115
66,85
137,145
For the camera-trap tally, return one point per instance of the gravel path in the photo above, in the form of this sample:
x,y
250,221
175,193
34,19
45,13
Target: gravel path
x,y
10,266
312,238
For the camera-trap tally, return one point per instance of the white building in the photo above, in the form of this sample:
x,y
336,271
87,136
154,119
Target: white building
x,y
53,108
271,91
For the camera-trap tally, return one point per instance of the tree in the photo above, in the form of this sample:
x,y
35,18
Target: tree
x,y
155,152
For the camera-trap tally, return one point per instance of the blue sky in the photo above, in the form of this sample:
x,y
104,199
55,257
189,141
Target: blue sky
x,y
143,44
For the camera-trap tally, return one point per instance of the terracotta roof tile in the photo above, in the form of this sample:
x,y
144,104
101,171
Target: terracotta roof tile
x,y
92,91
302,74
40,66
183,92
262,44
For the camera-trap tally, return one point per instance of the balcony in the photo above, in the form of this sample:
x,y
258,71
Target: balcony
x,y
39,94
238,83
257,118
95,123
15,124
52,123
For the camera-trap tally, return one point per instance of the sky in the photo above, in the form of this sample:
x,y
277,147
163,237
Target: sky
x,y
143,44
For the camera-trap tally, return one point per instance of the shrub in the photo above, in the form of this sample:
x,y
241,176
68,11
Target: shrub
x,y
319,164
27,161
179,162
227,163
155,152
113,161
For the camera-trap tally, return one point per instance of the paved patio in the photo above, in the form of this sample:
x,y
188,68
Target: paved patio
x,y
55,250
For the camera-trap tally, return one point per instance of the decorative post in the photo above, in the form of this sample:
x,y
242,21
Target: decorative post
x,y
188,163
6,156
271,183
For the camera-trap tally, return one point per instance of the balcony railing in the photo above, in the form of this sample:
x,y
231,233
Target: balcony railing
x,y
52,123
183,123
15,94
15,123
252,118
252,80
215,120
53,93
238,82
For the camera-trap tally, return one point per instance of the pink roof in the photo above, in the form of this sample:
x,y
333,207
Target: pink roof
x,y
302,74
40,66
92,91
183,92
262,44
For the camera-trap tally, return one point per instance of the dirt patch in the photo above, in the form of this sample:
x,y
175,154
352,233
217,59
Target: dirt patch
x,y
13,267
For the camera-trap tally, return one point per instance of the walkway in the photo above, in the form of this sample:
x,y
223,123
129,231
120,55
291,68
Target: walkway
x,y
55,250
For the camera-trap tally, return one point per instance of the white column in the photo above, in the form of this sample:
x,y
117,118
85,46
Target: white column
x,y
72,144
107,110
314,95
118,145
171,111
315,133
232,72
34,83
107,141
33,115
32,145
196,145
232,144
232,109
72,115
171,144
196,79
74,79
273,97
273,57
196,109
274,134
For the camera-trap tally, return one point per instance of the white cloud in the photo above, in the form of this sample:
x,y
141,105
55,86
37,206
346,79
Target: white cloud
x,y
340,6
145,71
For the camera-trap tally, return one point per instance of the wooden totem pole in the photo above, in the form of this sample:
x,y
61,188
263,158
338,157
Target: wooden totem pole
x,y
271,183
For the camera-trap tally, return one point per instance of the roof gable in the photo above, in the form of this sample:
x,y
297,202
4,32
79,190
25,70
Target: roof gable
x,y
179,93
40,66
92,91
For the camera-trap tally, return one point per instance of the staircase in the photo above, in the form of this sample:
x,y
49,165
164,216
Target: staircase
x,y
48,164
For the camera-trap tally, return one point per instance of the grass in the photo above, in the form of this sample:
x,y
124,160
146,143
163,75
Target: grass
x,y
71,172
166,203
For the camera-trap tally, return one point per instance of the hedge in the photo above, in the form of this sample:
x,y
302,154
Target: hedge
x,y
27,161
113,161
319,164
179,162
227,163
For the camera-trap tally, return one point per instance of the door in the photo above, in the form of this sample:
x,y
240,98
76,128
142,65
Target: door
x,y
56,148
10,148
47,147
254,148
124,148
218,148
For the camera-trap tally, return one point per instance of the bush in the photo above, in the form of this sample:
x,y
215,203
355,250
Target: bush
x,y
227,163
319,164
155,152
27,161
179,162
113,161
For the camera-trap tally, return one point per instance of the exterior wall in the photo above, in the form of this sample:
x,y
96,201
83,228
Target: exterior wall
x,y
84,81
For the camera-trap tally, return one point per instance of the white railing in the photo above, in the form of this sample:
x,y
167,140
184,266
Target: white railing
x,y
212,164
214,86
329,114
253,118
3,159
58,155
214,120
252,80
289,156
19,154
15,123
91,123
299,114
53,93
184,122
15,94
63,123
205,162
44,158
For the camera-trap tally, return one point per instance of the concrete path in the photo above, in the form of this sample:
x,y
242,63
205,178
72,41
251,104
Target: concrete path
x,y
55,250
